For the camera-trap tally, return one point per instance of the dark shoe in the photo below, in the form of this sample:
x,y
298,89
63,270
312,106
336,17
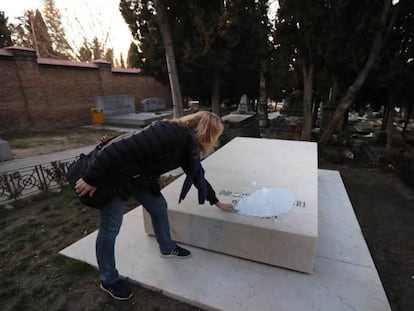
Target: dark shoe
x,y
118,290
178,252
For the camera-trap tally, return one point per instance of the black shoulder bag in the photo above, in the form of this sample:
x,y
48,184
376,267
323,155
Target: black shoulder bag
x,y
77,170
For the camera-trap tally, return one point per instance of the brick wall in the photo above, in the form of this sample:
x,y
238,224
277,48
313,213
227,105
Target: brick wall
x,y
41,92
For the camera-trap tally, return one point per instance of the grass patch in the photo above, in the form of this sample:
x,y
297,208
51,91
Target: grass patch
x,y
32,235
34,276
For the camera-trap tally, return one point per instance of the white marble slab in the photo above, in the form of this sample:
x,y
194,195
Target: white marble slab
x,y
344,276
238,169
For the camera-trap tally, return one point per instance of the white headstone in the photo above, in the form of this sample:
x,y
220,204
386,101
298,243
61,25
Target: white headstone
x,y
116,104
5,152
153,104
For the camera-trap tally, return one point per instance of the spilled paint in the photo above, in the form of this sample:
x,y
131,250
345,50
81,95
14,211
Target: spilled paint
x,y
267,202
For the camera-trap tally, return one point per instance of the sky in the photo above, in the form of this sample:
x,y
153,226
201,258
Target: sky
x,y
81,18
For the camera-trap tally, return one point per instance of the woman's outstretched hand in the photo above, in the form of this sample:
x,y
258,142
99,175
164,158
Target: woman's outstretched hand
x,y
225,207
82,188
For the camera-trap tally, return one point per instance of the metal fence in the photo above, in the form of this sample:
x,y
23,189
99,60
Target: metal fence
x,y
31,180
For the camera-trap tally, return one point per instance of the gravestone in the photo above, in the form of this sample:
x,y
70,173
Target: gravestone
x,y
240,125
241,122
115,104
5,153
249,167
120,110
243,107
153,104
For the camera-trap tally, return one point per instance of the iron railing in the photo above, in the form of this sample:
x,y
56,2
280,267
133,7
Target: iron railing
x,y
31,180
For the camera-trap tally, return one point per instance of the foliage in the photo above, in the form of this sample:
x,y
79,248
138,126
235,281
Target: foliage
x,y
140,17
109,56
56,31
95,50
341,139
10,183
85,51
58,172
346,41
42,40
247,38
334,36
133,56
223,40
382,22
121,61
5,33
44,33
22,32
395,72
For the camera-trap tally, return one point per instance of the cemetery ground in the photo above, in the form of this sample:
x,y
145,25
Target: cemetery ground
x,y
35,277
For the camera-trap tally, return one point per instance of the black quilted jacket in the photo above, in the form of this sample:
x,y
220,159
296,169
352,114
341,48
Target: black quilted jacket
x,y
138,159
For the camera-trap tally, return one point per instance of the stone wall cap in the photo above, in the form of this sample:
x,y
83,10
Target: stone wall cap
x,y
126,70
21,48
101,61
20,52
63,62
4,52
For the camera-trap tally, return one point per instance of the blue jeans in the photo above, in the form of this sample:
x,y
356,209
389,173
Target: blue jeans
x,y
110,220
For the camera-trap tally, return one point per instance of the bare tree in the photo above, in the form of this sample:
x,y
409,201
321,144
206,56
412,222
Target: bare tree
x,y
98,42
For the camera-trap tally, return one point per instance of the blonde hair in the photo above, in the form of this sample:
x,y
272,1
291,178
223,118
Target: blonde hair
x,y
207,128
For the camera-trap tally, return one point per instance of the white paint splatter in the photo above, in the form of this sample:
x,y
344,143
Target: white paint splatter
x,y
267,202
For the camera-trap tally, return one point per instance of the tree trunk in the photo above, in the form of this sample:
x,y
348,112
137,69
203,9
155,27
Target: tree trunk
x,y
385,118
262,81
316,105
215,92
407,119
390,125
345,121
333,92
307,101
330,106
162,20
262,103
347,100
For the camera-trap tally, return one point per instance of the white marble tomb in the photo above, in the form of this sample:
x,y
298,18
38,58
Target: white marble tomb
x,y
344,276
238,169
